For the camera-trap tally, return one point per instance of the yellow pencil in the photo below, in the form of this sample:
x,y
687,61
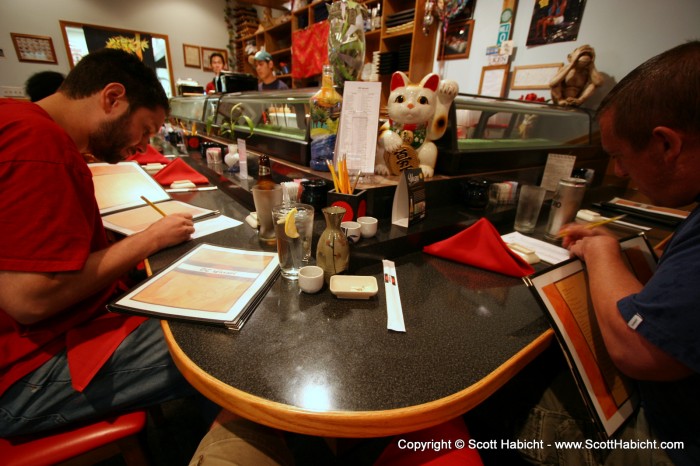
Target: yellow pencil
x,y
335,179
596,224
354,185
154,206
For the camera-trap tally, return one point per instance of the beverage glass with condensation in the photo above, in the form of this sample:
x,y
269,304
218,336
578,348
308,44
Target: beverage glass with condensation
x,y
293,240
529,205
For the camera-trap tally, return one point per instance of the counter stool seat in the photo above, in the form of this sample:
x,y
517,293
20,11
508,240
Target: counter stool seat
x,y
84,444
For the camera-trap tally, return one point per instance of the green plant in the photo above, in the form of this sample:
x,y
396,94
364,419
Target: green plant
x,y
208,124
236,114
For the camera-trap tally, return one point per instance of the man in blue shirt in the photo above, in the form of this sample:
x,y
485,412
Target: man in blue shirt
x,y
650,126
264,67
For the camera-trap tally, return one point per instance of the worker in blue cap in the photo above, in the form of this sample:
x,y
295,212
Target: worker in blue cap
x,y
264,67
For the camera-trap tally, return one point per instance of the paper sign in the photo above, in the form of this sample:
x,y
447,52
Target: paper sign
x,y
558,166
409,198
242,159
357,133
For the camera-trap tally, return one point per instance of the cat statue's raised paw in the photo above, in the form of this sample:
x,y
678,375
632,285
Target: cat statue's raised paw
x,y
417,116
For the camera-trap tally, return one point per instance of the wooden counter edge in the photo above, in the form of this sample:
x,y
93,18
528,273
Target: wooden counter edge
x,y
352,424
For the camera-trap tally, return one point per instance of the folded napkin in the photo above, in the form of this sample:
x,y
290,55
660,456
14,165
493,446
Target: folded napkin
x,y
481,246
150,156
178,170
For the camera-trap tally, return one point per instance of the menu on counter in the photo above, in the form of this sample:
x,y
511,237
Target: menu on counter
x,y
119,189
209,284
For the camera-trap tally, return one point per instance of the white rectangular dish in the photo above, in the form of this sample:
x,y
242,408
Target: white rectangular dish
x,y
353,286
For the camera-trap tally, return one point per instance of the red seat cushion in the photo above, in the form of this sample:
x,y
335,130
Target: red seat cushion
x,y
66,444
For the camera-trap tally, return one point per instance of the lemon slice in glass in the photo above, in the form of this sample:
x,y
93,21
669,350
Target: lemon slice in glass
x,y
290,228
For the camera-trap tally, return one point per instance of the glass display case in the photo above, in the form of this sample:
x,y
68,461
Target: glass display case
x,y
274,122
188,108
486,133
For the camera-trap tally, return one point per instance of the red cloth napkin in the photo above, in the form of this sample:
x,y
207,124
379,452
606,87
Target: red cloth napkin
x,y
481,246
150,156
178,170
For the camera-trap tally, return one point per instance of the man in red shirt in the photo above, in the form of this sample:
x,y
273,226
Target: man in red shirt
x,y
63,357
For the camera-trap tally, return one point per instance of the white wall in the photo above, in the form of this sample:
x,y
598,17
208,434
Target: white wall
x,y
198,22
624,33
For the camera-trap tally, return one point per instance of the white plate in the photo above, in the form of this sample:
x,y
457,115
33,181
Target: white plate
x,y
353,286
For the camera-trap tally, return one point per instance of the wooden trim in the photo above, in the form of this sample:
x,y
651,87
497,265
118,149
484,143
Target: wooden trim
x,y
353,424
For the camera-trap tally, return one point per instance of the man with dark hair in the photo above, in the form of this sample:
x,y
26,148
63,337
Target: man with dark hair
x,y
63,358
650,126
43,84
265,68
218,84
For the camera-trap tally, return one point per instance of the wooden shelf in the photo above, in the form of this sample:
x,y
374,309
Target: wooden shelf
x,y
422,46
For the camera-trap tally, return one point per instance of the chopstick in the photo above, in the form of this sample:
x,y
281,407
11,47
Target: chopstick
x,y
154,206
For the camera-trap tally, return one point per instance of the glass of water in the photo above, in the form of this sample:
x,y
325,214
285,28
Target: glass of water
x,y
294,235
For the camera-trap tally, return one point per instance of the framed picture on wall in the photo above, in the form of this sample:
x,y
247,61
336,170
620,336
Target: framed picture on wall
x,y
193,55
34,49
534,76
206,53
493,80
457,40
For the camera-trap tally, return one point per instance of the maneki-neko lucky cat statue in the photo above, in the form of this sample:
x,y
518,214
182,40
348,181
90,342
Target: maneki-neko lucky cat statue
x,y
417,116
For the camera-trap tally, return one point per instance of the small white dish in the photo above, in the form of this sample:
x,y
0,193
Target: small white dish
x,y
351,230
311,279
353,286
368,226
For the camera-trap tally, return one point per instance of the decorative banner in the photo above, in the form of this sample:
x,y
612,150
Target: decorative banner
x,y
507,17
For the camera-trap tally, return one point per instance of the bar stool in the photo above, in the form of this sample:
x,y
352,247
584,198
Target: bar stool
x,y
85,444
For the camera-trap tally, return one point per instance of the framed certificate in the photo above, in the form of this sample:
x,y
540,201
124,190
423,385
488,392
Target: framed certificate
x,y
34,49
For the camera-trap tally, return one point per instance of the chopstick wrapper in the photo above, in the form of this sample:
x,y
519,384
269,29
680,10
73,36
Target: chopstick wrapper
x,y
394,312
481,246
178,170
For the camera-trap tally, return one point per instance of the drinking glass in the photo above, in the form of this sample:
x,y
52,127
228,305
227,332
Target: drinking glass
x,y
293,253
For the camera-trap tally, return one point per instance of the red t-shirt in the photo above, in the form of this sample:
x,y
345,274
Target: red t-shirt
x,y
50,222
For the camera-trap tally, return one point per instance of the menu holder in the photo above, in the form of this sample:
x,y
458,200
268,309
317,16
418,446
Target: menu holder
x,y
119,189
210,284
409,198
564,294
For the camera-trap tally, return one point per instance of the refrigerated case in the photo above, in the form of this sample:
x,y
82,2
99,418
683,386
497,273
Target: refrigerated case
x,y
486,133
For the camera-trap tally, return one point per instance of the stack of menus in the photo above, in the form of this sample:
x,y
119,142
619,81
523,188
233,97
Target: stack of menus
x,y
118,190
210,284
564,293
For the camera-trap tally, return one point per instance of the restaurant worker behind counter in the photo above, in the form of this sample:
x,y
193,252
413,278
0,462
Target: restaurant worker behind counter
x,y
218,84
63,357
650,126
265,68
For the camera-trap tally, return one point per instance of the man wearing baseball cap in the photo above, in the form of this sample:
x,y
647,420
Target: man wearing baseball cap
x,y
264,66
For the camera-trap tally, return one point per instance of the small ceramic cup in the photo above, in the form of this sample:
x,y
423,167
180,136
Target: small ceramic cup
x,y
311,279
368,226
351,230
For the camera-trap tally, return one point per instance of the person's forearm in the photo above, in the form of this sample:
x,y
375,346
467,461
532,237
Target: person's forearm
x,y
610,280
32,297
